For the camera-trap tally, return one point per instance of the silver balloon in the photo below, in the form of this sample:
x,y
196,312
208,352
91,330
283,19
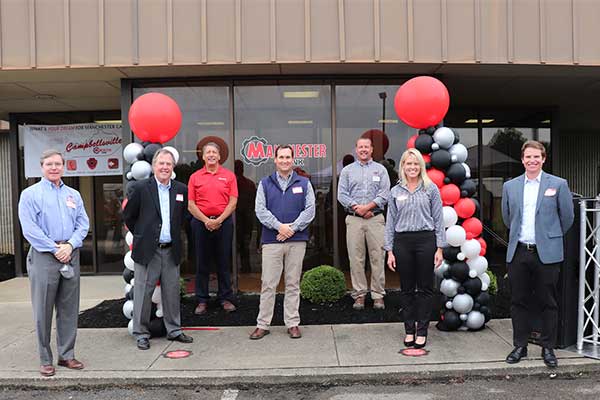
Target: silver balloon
x,y
132,152
449,305
475,320
441,270
444,137
463,317
449,287
462,303
458,153
141,170
130,327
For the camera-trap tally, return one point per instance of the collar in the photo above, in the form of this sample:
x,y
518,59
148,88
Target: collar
x,y
204,170
405,185
50,184
286,179
161,185
537,179
365,163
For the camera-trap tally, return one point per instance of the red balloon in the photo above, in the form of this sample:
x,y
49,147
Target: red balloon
x,y
465,207
436,177
155,117
422,102
450,194
410,144
124,203
426,158
380,142
473,227
483,246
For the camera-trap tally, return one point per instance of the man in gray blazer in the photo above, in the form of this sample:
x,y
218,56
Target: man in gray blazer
x,y
537,208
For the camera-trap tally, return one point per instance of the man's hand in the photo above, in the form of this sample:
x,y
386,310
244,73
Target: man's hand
x,y
368,214
285,232
212,224
63,254
361,209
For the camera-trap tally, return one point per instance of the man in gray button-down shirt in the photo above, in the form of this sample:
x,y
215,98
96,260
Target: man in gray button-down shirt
x,y
363,191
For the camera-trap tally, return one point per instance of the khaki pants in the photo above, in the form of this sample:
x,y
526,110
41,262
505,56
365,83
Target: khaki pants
x,y
277,257
357,231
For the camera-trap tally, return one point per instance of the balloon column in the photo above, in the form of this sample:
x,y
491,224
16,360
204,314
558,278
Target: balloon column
x,y
422,103
155,119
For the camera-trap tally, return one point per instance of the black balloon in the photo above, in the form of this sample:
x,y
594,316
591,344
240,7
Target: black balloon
x,y
450,253
150,150
459,271
477,206
447,180
447,274
423,144
457,173
486,313
431,130
483,298
468,188
473,286
157,328
440,159
422,131
461,290
127,275
129,295
452,320
476,306
456,137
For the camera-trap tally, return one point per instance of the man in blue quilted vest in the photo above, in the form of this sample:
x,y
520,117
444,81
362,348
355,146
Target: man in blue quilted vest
x,y
285,206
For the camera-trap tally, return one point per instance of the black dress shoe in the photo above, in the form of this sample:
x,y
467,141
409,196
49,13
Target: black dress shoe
x,y
549,357
143,344
182,338
516,354
409,343
420,345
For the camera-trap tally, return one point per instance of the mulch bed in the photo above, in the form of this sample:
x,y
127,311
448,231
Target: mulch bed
x,y
109,314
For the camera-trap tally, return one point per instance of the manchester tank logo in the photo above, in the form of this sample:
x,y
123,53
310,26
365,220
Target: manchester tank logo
x,y
256,150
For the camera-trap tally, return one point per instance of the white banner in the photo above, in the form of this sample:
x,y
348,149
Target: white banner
x,y
88,149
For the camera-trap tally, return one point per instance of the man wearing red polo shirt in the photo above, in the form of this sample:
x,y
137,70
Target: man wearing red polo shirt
x,y
213,197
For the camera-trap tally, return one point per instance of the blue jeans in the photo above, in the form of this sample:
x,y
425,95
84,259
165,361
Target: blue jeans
x,y
215,245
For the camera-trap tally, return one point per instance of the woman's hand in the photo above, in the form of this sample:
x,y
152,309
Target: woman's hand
x,y
438,258
391,262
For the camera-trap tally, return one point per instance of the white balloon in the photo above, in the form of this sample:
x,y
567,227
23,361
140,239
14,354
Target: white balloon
x,y
485,278
173,176
479,264
458,153
129,176
128,261
132,151
132,282
449,287
475,320
159,313
128,288
467,170
129,238
450,216
460,256
444,137
471,248
130,327
156,295
455,235
472,273
141,170
463,317
173,151
484,286
449,305
435,146
128,309
462,303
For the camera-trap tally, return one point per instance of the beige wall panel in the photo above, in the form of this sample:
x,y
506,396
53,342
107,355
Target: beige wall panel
x,y
84,32
221,30
187,31
290,30
526,31
587,28
256,31
394,30
460,31
118,20
428,30
324,28
359,30
153,31
494,39
50,33
15,34
559,31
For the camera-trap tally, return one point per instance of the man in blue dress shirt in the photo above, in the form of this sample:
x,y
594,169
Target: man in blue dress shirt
x,y
55,223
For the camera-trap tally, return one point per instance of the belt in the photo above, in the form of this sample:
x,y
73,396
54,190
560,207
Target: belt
x,y
164,245
528,246
376,212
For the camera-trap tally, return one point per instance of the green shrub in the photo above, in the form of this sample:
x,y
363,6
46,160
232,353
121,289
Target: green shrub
x,y
323,284
493,286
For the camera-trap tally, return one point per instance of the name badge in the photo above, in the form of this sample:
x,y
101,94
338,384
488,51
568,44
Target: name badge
x,y
376,178
402,197
70,202
221,178
550,192
178,197
297,189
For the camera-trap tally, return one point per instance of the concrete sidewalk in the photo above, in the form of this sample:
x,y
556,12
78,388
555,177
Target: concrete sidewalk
x,y
326,354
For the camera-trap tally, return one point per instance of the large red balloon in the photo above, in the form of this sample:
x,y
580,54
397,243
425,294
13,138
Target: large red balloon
x,y
422,102
436,176
380,142
465,208
473,227
410,144
450,194
155,117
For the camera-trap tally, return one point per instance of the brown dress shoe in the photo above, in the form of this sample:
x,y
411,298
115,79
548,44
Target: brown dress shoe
x,y
294,332
359,303
47,370
201,309
259,334
228,306
71,364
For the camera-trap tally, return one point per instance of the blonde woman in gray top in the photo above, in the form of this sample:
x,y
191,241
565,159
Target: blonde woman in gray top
x,y
414,238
